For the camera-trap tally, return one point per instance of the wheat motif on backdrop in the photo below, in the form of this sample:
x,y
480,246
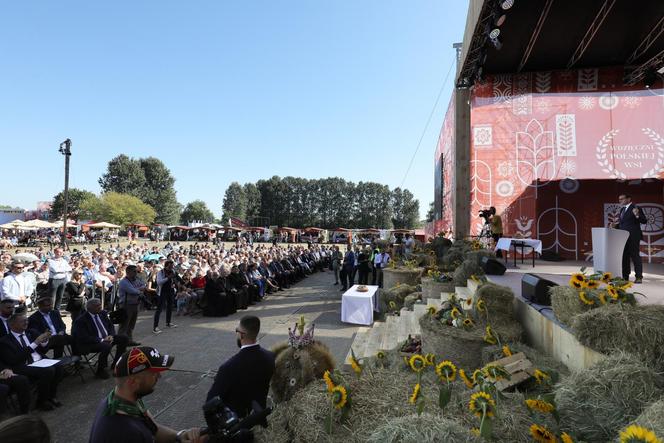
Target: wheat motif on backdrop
x,y
560,236
566,135
481,181
535,155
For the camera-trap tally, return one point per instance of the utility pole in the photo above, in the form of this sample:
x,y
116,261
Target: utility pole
x,y
65,149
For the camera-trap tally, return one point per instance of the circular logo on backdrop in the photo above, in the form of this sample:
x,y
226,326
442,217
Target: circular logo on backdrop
x,y
505,188
608,102
569,185
640,158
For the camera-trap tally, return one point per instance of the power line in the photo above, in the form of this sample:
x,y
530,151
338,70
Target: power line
x,y
435,105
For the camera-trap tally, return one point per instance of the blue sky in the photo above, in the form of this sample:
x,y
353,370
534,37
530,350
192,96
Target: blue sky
x,y
223,91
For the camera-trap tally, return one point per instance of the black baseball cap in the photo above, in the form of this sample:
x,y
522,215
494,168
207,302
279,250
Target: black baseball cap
x,y
143,358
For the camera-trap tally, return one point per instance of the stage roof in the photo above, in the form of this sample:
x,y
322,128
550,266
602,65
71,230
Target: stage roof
x,y
541,35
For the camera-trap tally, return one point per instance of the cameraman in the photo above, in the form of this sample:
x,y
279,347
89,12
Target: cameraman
x,y
496,228
245,377
166,279
122,417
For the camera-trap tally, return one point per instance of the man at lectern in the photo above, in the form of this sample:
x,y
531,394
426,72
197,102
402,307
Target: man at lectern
x,y
630,219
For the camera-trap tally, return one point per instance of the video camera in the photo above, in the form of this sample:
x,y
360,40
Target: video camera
x,y
223,425
486,214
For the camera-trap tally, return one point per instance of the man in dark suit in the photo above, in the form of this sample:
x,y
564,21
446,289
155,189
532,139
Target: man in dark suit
x,y
631,219
6,310
23,346
347,269
245,377
48,319
94,332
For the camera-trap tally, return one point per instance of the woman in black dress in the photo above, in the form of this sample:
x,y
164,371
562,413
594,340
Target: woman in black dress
x,y
75,293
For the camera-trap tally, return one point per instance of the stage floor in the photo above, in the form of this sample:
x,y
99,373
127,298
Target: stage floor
x,y
560,272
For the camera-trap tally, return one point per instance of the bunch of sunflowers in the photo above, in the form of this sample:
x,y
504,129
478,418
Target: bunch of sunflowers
x,y
339,397
602,288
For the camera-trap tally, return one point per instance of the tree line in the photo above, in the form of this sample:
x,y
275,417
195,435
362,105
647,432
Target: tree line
x,y
142,190
327,203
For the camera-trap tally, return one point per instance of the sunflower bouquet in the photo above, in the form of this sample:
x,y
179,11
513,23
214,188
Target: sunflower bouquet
x,y
339,396
602,288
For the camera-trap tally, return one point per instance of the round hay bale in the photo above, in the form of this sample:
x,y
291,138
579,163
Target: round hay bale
x,y
392,276
420,428
597,402
396,295
432,288
455,344
638,330
652,418
566,304
499,300
296,368
467,269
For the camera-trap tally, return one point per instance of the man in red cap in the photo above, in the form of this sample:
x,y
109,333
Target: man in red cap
x,y
122,416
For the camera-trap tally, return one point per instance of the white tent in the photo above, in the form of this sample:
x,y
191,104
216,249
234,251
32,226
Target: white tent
x,y
39,224
104,225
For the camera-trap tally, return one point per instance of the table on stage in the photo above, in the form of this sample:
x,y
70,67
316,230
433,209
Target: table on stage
x,y
358,307
504,243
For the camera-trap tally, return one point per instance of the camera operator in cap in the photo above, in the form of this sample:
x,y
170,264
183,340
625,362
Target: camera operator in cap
x,y
122,416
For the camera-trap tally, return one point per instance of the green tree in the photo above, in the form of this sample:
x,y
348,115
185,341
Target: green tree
x,y
253,199
123,175
121,209
372,206
74,199
405,209
431,213
235,202
196,211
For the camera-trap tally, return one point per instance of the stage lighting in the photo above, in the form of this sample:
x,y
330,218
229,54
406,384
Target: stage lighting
x,y
650,77
661,70
506,4
497,43
494,34
499,20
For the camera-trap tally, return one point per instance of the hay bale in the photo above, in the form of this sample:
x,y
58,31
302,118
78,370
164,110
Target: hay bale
x,y
296,368
432,288
477,255
597,402
638,330
396,295
411,299
452,258
499,300
420,428
467,269
440,245
566,304
652,418
403,276
423,259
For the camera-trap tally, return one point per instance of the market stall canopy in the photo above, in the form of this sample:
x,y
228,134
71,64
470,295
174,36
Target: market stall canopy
x,y
312,229
16,224
39,224
402,231
286,228
103,225
233,228
342,230
58,224
369,231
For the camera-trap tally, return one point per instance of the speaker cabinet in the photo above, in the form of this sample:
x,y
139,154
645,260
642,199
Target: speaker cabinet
x,y
536,289
492,266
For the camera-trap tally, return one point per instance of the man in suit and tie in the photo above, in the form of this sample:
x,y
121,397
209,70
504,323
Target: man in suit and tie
x,y
347,269
631,219
48,319
22,347
6,310
94,332
245,377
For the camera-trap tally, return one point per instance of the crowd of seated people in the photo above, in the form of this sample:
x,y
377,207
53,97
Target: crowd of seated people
x,y
211,278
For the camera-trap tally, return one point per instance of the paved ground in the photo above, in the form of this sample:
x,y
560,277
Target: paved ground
x,y
199,345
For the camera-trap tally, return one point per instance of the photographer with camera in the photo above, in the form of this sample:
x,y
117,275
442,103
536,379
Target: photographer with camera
x,y
493,226
166,279
245,377
122,417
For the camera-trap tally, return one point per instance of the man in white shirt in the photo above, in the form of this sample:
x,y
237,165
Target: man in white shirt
x,y
58,273
13,285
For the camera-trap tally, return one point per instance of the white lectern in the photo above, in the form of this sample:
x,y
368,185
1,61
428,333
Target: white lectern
x,y
608,246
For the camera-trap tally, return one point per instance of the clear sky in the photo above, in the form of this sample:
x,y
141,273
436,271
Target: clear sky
x,y
223,91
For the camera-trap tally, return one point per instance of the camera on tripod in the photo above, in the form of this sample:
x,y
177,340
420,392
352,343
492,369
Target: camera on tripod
x,y
486,214
224,425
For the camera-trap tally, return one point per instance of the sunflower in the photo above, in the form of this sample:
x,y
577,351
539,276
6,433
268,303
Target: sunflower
x,y
380,355
586,300
455,313
392,304
613,292
417,363
470,384
541,376
489,337
479,399
592,284
495,372
415,394
507,352
432,310
355,365
467,322
339,397
606,277
578,281
602,297
638,434
446,371
328,381
480,306
627,285
539,405
430,359
542,434
566,438
477,376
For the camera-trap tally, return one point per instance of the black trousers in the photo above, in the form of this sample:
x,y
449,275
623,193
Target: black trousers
x,y
20,385
632,253
166,297
46,380
496,237
364,275
58,342
56,288
104,348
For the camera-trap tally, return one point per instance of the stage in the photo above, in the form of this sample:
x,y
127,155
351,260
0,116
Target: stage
x,y
560,272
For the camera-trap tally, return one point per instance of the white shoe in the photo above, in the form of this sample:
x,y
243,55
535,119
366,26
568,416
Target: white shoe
x,y
156,331
171,325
